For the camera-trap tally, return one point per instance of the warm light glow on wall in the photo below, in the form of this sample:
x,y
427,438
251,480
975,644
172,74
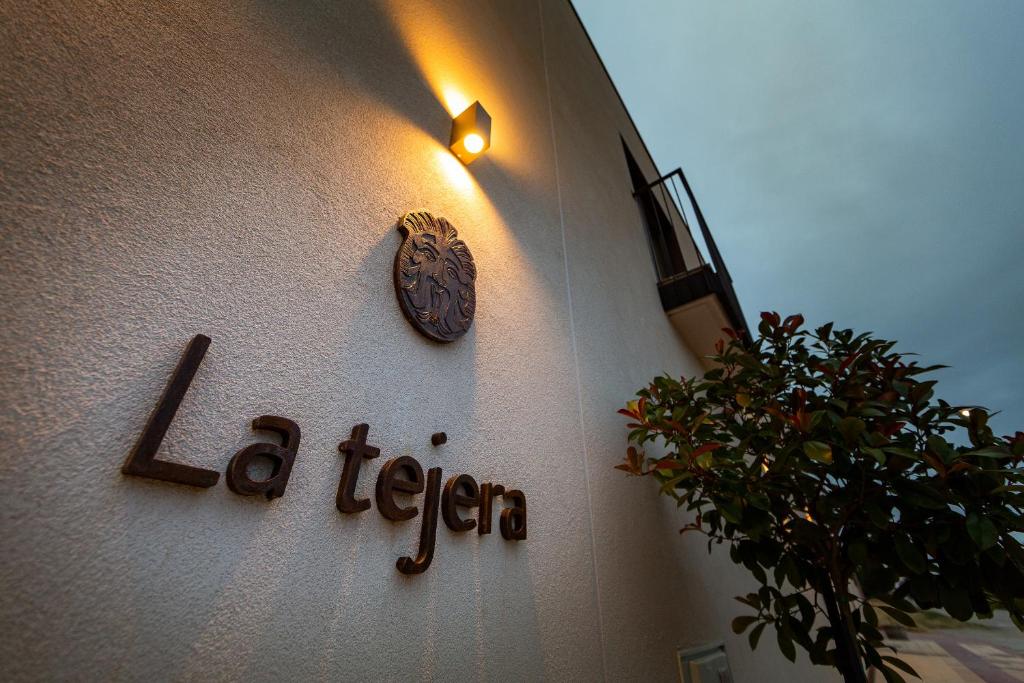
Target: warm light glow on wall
x,y
454,101
456,175
471,133
455,54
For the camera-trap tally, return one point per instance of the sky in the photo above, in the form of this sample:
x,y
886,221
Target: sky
x,y
861,162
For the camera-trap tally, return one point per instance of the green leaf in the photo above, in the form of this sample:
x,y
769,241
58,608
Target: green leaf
x,y
910,555
879,516
839,403
899,615
740,624
900,664
876,453
755,634
941,447
904,452
806,613
670,484
891,676
922,494
818,451
760,501
858,552
751,599
871,655
780,574
851,428
732,511
785,643
956,601
982,530
990,453
899,603
870,616
793,573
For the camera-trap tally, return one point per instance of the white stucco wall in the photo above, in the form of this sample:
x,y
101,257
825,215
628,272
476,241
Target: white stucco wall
x,y
236,170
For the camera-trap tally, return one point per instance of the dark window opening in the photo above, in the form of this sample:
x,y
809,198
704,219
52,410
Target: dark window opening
x,y
689,271
661,233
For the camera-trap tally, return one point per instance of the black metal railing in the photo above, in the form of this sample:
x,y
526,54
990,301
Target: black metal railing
x,y
678,260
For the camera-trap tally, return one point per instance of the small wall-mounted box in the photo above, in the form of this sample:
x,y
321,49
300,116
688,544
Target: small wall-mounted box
x,y
704,664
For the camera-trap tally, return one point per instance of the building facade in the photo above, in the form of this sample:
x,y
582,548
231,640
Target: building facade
x,y
237,170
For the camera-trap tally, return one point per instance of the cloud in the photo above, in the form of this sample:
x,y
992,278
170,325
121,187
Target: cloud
x,y
857,162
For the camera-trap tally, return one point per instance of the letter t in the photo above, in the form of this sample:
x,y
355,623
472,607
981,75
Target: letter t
x,y
355,449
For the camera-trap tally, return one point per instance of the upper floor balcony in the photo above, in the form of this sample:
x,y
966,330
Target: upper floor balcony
x,y
693,282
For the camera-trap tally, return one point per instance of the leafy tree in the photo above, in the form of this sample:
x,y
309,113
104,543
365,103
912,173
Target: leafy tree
x,y
823,460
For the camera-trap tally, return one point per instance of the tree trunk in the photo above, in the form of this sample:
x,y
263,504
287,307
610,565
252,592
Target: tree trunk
x,y
848,659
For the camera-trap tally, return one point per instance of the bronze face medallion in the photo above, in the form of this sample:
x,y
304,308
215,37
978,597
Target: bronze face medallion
x,y
434,277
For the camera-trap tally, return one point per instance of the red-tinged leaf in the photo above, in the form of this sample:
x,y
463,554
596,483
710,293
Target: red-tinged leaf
x,y
848,361
731,333
793,322
678,426
669,464
719,347
633,425
634,462
960,466
772,318
936,464
706,448
1015,443
891,428
628,413
801,420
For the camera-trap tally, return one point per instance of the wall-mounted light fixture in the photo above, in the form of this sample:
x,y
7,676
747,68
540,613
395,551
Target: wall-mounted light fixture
x,y
471,133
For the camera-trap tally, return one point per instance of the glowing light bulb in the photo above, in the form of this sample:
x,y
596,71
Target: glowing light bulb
x,y
473,143
471,133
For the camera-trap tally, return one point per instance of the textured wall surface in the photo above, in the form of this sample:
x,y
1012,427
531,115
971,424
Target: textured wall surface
x,y
237,169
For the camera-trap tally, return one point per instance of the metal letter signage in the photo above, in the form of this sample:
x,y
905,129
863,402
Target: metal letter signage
x,y
435,277
283,457
142,461
460,491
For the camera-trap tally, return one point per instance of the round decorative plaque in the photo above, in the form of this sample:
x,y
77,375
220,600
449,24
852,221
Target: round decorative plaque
x,y
434,277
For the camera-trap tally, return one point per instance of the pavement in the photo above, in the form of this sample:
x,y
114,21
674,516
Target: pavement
x,y
991,652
